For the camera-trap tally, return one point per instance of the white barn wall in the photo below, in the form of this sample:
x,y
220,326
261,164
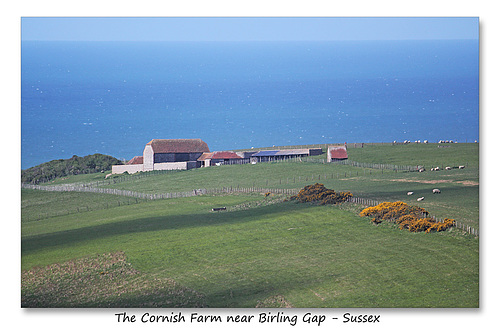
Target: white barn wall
x,y
170,166
148,158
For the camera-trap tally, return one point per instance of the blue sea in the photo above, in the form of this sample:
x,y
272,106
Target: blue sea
x,y
81,98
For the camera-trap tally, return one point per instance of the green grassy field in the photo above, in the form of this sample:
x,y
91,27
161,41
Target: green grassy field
x,y
258,253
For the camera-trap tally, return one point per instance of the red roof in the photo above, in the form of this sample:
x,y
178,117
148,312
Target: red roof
x,y
178,146
225,155
136,160
205,156
338,152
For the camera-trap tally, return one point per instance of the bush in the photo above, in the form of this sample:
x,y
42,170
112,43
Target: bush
x,y
408,217
318,193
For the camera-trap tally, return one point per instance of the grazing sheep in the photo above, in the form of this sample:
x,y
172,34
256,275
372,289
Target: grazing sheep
x,y
448,168
409,193
420,199
421,170
461,167
436,190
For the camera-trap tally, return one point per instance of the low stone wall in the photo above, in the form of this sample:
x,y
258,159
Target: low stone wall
x,y
133,168
130,168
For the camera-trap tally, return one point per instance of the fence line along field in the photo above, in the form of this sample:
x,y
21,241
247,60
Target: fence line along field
x,y
256,247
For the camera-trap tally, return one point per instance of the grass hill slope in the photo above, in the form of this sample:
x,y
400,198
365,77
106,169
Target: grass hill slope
x,y
260,251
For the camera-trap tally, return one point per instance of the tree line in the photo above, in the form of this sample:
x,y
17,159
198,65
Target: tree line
x,y
64,167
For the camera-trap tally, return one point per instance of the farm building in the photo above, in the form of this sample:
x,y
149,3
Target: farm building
x,y
166,154
218,158
336,153
267,156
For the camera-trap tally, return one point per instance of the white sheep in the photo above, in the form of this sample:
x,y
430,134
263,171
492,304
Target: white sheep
x,y
436,190
461,167
409,193
448,168
420,199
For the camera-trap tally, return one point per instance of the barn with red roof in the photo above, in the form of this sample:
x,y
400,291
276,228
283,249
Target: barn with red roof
x,y
166,154
336,153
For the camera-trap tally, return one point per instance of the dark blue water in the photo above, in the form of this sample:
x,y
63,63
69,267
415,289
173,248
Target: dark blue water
x,y
80,98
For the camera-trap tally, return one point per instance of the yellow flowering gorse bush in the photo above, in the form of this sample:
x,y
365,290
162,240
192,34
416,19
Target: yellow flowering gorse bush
x,y
408,217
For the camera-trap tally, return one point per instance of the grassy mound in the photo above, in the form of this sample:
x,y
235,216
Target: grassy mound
x,y
106,280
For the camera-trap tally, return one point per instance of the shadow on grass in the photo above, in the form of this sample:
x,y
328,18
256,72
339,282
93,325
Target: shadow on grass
x,y
70,237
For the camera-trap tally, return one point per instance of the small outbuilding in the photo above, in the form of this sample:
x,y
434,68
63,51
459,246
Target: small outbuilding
x,y
336,153
283,154
215,158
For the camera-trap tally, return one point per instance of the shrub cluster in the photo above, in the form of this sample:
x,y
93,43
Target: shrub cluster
x,y
407,217
320,194
60,168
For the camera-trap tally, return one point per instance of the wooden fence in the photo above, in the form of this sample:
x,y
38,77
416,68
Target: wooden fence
x,y
155,196
229,189
380,166
394,167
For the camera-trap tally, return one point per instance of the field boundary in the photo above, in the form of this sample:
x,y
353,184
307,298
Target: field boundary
x,y
155,196
230,189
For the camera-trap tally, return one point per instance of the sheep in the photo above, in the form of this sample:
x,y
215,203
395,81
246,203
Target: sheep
x,y
421,170
426,141
409,193
461,167
436,190
448,168
420,199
